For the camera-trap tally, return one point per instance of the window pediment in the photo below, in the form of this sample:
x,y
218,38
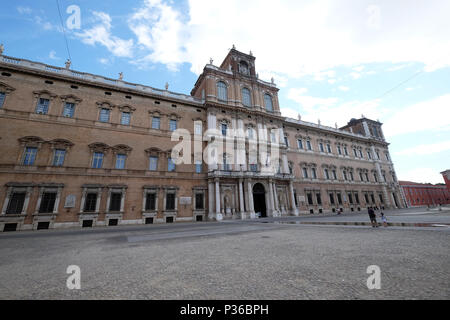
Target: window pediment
x,y
61,143
99,147
44,94
122,148
6,88
105,105
70,98
127,108
31,141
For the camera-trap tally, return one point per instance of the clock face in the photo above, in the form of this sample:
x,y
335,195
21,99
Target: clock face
x,y
243,68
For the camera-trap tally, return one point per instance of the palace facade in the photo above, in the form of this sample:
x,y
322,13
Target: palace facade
x,y
83,150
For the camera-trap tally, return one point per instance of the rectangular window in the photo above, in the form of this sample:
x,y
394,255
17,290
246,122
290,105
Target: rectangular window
x,y
361,176
2,98
328,148
339,197
350,198
170,165
314,173
156,123
369,155
355,153
150,201
381,198
198,129
339,150
58,157
344,173
90,202
319,199
367,176
120,161
153,163
29,156
224,128
125,119
173,125
42,106
331,199
334,174
351,176
199,201
286,141
15,205
69,110
360,154
115,200
310,199
375,177
345,151
104,115
321,147
327,174
170,201
308,145
305,172
198,167
372,198
97,160
253,167
356,198
378,155
300,144
47,202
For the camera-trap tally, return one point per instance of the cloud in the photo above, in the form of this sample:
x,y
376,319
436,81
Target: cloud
x,y
425,149
431,115
343,88
24,10
101,34
421,175
52,55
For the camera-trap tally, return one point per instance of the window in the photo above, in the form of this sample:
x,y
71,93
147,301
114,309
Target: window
x,y
291,171
345,151
47,202
2,98
253,167
198,167
331,199
286,141
156,122
115,201
222,93
15,205
356,198
104,115
250,133
224,128
226,166
321,147
328,148
42,106
310,200
300,143
351,176
350,198
268,102
308,145
334,174
153,163
314,173
172,125
344,173
339,150
339,197
327,174
29,156
378,155
120,161
319,199
387,157
97,160
360,154
375,177
367,176
170,201
198,128
58,157
355,153
199,201
90,202
372,198
246,99
361,176
150,201
170,165
305,172
125,120
369,155
69,110
381,198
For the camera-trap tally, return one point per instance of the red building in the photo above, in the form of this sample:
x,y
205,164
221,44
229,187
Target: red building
x,y
424,194
446,176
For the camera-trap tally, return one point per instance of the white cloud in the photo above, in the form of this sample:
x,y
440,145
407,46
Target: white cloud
x,y
421,175
24,10
101,33
327,33
355,75
343,88
425,149
52,55
431,115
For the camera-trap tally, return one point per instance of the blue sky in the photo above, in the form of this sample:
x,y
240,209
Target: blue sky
x,y
333,60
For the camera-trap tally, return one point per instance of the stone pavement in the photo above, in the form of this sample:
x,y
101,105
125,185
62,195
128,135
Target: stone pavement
x,y
232,260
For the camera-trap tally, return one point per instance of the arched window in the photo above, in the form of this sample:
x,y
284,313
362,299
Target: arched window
x,y
246,99
222,91
268,102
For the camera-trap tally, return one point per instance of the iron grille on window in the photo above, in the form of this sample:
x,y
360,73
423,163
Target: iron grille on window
x,y
91,202
116,199
16,202
47,202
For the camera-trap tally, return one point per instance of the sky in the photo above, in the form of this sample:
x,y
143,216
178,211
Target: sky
x,y
332,60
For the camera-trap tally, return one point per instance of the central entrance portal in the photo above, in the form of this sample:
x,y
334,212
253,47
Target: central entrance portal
x,y
259,199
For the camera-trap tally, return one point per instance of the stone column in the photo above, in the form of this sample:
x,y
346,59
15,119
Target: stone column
x,y
291,193
8,196
241,200
251,207
219,216
58,199
271,200
277,209
285,164
211,200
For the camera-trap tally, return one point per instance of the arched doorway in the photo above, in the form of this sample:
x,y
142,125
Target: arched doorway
x,y
259,199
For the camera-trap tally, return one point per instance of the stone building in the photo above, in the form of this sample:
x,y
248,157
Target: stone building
x,y
84,150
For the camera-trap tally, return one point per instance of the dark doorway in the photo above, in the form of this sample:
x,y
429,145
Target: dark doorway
x,y
259,199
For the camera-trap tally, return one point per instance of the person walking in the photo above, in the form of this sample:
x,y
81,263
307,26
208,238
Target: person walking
x,y
383,218
373,218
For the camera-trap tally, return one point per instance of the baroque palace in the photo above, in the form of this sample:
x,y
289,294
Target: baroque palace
x,y
84,150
